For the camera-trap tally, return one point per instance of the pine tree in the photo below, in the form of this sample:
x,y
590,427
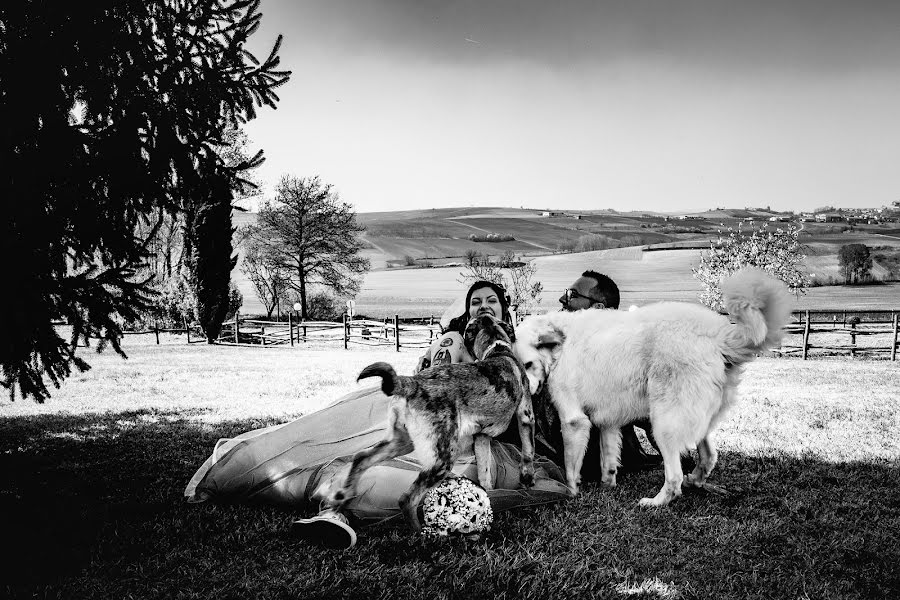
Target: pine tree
x,y
113,117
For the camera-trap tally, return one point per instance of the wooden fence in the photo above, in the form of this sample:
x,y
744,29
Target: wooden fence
x,y
188,329
410,333
811,333
842,332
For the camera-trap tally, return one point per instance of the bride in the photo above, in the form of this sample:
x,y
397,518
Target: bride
x,y
285,464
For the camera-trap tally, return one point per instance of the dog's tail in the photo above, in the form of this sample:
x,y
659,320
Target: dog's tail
x,y
391,383
760,306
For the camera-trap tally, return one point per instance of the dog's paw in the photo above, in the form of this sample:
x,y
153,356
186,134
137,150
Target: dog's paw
x,y
526,477
609,479
692,480
337,499
650,503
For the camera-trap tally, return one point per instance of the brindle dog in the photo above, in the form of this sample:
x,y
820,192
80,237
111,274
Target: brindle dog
x,y
436,408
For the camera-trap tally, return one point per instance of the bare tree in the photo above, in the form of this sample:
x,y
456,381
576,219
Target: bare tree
x,y
260,265
313,238
472,257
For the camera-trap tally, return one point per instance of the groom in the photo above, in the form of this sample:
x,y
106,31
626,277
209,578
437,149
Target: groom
x,y
595,291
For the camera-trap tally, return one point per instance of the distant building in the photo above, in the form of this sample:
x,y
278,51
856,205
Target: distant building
x,y
552,213
829,217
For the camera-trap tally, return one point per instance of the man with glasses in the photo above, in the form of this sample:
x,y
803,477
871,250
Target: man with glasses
x,y
597,291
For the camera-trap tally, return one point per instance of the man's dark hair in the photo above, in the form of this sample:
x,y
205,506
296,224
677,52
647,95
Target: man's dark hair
x,y
605,290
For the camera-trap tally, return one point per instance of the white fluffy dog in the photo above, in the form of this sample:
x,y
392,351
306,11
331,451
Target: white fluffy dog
x,y
676,362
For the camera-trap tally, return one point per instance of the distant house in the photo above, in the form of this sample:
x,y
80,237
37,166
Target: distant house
x,y
781,218
552,213
829,217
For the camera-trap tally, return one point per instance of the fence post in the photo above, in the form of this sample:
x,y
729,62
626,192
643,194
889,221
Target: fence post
x,y
806,335
236,321
262,335
291,328
346,331
187,329
156,331
397,333
894,345
852,339
304,331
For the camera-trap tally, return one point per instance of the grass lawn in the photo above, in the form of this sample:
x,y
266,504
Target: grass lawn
x,y
92,494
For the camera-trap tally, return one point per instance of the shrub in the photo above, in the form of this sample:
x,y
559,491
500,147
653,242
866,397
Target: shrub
x,y
566,246
235,300
821,280
594,241
177,302
491,237
323,306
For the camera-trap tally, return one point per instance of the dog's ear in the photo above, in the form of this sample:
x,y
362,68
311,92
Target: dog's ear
x,y
471,331
551,341
510,332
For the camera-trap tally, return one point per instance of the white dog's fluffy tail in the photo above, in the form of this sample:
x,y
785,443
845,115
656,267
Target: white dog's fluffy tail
x,y
760,306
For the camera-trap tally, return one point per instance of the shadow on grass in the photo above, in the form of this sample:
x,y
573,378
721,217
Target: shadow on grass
x,y
93,508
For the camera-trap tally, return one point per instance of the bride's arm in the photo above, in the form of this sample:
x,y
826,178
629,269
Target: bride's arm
x,y
447,349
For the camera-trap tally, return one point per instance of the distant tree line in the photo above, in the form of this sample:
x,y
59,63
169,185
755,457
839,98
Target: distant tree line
x,y
491,237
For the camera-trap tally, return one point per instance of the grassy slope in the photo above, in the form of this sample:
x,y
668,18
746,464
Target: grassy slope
x,y
93,483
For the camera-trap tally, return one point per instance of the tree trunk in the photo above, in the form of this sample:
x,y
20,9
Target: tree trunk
x,y
303,310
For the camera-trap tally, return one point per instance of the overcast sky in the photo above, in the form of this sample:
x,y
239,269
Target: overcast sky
x,y
663,105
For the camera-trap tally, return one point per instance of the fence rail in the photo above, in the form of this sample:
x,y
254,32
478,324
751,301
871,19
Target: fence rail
x,y
840,332
415,333
855,333
188,328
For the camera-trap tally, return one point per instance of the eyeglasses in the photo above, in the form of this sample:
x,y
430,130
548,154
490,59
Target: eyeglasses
x,y
570,293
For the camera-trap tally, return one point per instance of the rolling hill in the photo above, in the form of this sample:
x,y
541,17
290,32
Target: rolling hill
x,y
438,237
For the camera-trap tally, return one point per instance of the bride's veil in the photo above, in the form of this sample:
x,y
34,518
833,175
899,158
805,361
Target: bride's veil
x,y
457,308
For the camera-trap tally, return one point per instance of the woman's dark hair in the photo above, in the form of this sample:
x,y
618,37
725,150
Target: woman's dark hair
x,y
458,324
